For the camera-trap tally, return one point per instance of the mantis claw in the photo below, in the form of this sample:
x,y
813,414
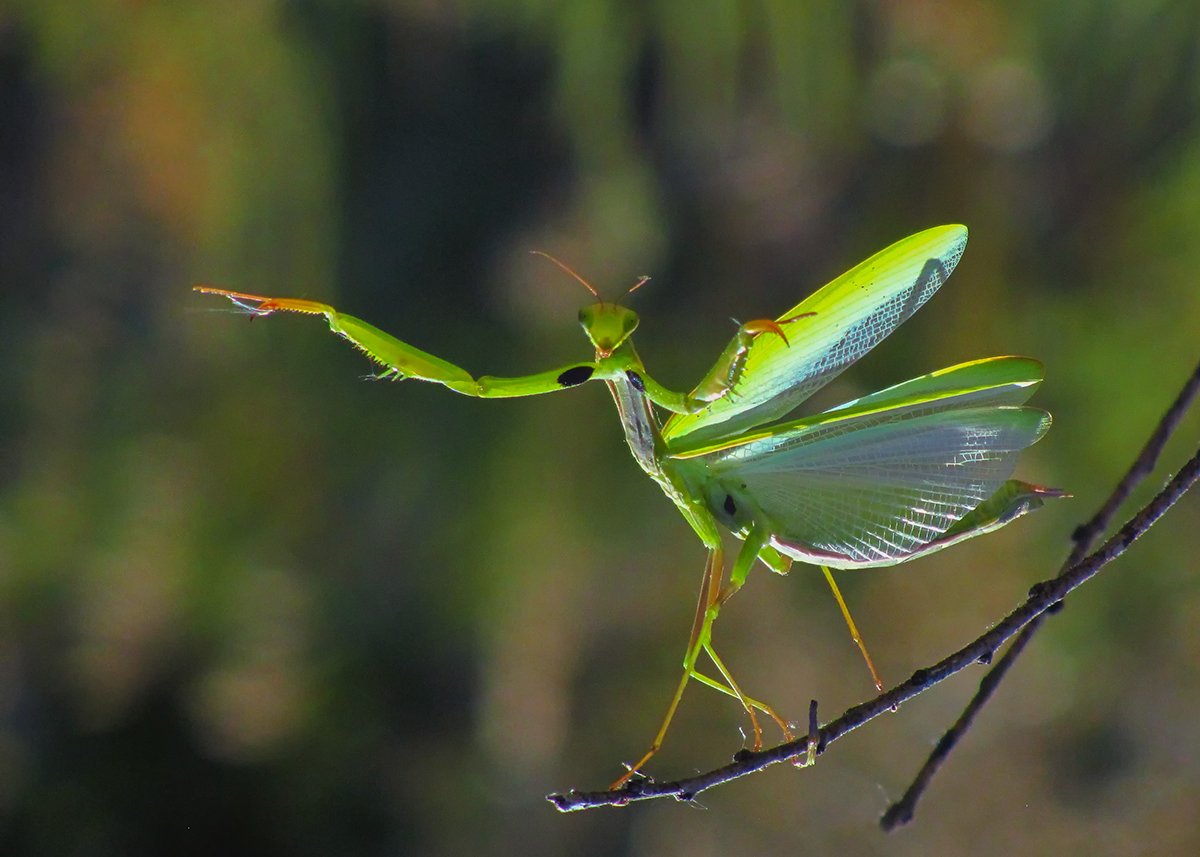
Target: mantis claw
x,y
260,305
765,325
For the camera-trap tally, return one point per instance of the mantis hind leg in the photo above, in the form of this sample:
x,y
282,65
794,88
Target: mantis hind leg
x,y
712,596
709,592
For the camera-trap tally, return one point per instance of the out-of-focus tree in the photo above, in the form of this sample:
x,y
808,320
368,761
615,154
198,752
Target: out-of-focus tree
x,y
248,602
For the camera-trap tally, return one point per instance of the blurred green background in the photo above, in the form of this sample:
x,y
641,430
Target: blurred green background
x,y
251,603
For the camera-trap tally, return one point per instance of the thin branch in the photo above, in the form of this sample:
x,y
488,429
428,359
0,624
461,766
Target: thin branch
x,y
901,812
1042,596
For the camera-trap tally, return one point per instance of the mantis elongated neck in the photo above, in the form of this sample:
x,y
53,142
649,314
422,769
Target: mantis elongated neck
x,y
642,430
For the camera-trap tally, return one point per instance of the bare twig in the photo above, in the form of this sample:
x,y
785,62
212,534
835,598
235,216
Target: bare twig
x,y
1042,596
901,812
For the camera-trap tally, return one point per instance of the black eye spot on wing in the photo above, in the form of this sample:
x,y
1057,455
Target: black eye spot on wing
x,y
729,506
575,376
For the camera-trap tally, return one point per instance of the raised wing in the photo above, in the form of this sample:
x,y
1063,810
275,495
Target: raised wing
x,y
855,490
854,313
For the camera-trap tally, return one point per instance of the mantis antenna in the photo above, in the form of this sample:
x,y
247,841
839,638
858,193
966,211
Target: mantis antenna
x,y
645,278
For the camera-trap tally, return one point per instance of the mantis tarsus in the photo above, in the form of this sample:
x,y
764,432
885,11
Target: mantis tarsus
x,y
872,482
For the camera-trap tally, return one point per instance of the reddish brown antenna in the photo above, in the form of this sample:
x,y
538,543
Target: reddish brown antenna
x,y
570,271
645,278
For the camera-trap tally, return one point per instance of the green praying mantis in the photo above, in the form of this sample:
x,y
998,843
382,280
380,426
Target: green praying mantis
x,y
876,481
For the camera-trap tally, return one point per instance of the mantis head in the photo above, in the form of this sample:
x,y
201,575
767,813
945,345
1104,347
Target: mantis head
x,y
607,326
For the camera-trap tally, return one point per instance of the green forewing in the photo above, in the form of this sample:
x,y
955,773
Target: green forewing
x,y
992,381
880,487
852,315
988,381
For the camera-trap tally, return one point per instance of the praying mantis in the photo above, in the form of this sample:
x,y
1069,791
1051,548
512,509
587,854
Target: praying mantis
x,y
876,481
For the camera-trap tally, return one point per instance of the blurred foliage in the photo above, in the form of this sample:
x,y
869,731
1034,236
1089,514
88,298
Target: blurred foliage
x,y
248,604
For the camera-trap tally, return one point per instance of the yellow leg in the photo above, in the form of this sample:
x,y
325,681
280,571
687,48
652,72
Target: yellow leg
x,y
712,596
710,588
857,637
742,698
737,576
748,703
658,739
761,706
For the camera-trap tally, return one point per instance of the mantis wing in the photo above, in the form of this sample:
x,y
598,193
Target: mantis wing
x,y
853,314
860,486
992,381
987,381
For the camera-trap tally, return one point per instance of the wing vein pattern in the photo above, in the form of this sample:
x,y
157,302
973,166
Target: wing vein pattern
x,y
880,487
